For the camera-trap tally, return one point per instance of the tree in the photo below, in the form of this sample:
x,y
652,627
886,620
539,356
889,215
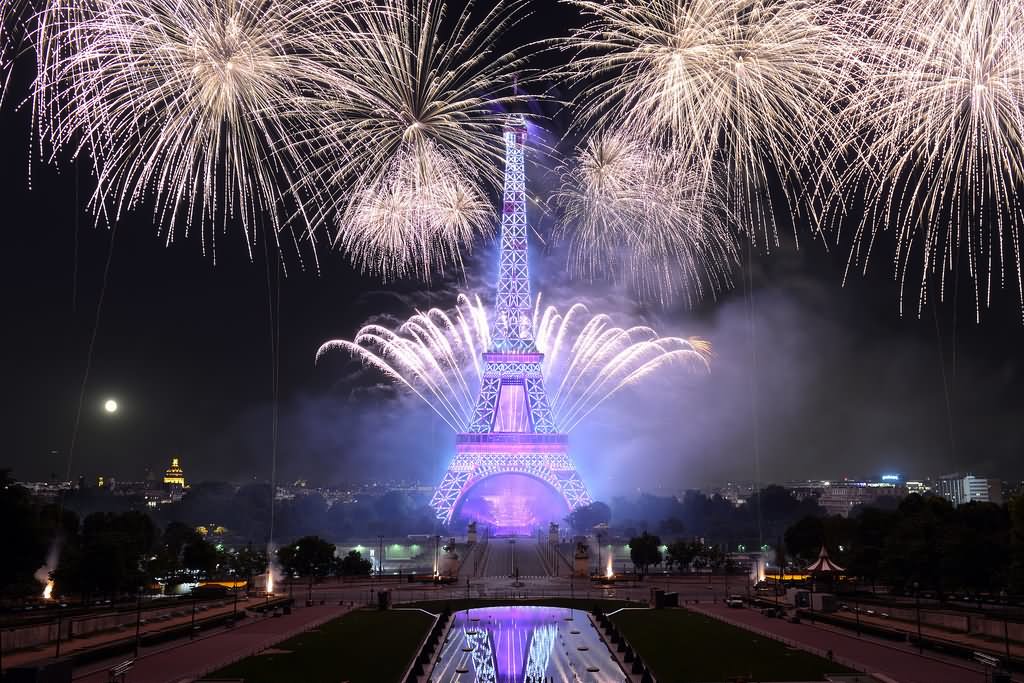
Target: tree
x,y
645,550
913,547
586,517
805,538
200,556
310,556
681,554
20,535
353,564
866,550
247,562
1017,544
712,557
110,556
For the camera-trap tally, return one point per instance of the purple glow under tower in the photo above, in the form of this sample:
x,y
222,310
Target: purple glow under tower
x,y
512,429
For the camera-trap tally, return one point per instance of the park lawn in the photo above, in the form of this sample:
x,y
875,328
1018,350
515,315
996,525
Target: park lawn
x,y
680,646
365,646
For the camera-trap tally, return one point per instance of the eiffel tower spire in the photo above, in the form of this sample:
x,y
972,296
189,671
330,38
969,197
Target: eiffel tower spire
x,y
513,309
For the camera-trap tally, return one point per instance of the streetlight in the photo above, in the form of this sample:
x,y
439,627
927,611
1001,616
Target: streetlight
x,y
856,610
138,623
380,555
437,567
192,628
58,631
917,604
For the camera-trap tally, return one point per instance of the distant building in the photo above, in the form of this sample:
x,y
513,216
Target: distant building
x,y
47,490
1012,489
951,487
982,490
175,476
959,488
736,493
919,487
840,496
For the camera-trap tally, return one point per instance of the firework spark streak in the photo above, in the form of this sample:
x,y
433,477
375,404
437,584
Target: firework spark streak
x,y
742,86
410,156
190,103
435,355
937,137
15,23
630,210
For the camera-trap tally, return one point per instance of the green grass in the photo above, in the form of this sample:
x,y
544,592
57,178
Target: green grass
x,y
365,646
683,647
585,604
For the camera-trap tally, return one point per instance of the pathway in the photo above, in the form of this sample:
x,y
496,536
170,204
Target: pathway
x,y
899,662
185,661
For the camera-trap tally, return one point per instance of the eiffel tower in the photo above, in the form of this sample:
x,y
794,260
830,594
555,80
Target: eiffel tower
x,y
512,429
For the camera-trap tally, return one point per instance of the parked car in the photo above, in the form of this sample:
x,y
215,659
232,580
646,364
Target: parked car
x,y
734,601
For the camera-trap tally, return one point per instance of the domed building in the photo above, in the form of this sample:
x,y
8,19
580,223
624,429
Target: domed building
x,y
174,475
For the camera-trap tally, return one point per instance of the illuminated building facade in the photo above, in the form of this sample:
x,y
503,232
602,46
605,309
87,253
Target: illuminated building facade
x,y
174,475
512,431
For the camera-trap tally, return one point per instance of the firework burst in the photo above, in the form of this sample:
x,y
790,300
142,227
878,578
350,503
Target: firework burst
x,y
745,88
631,210
189,103
587,359
411,156
937,139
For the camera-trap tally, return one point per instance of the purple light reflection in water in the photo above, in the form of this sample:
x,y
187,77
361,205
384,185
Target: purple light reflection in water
x,y
511,643
524,644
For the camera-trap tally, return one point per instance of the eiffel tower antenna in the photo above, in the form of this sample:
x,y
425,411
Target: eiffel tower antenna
x,y
512,430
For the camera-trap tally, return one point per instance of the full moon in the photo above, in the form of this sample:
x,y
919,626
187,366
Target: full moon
x,y
110,406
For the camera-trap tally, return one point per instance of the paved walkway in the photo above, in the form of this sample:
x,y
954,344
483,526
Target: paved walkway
x,y
187,660
899,662
81,643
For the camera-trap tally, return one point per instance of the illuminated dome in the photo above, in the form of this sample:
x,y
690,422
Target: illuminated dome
x,y
174,474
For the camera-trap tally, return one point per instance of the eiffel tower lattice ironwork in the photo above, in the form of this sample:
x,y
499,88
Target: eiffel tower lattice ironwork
x,y
512,429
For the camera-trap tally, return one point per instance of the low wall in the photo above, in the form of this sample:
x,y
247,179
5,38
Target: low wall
x,y
957,622
43,634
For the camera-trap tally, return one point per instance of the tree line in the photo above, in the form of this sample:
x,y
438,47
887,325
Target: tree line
x,y
107,554
975,548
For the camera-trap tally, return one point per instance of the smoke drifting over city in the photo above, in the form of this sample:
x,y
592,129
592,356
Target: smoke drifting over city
x,y
829,383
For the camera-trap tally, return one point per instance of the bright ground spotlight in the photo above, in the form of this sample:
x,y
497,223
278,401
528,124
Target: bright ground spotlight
x,y
110,406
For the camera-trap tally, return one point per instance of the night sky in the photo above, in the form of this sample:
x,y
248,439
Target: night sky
x,y
844,385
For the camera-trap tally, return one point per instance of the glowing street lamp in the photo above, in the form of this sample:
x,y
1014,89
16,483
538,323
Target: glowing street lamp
x,y
110,406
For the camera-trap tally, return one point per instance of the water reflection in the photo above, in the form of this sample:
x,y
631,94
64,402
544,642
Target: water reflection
x,y
524,645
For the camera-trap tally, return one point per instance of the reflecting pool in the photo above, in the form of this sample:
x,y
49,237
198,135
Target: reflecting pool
x,y
524,645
